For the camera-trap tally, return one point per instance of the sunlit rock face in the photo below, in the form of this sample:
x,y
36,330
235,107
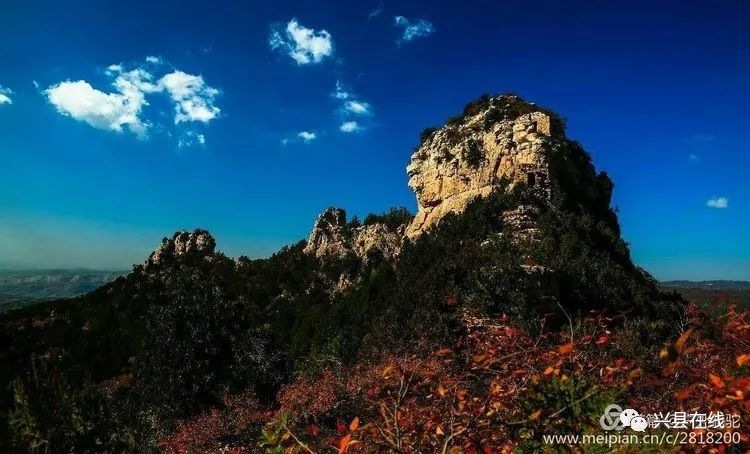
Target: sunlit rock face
x,y
331,235
501,138
327,235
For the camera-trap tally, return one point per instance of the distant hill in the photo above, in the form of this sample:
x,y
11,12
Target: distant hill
x,y
707,292
20,288
713,285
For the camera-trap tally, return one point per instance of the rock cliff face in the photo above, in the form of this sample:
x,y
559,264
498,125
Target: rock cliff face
x,y
331,235
499,138
498,143
182,246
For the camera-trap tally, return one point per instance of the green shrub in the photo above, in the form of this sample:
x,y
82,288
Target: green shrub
x,y
473,154
393,218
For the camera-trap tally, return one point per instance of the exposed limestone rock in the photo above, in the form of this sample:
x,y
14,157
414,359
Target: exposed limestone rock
x,y
377,237
467,158
198,243
327,237
331,235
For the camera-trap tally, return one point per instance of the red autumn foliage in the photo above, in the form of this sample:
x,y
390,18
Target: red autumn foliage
x,y
475,395
204,433
308,397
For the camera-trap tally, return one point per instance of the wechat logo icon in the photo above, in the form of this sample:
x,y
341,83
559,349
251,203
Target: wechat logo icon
x,y
615,418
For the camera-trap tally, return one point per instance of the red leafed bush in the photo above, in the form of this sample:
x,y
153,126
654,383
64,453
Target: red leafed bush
x,y
307,397
205,433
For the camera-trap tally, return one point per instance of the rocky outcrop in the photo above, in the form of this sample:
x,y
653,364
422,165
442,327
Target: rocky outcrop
x,y
332,235
497,138
183,245
377,237
327,236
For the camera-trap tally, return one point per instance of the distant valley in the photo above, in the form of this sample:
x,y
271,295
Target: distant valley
x,y
21,288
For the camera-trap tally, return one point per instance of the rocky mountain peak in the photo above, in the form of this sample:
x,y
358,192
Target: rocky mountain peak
x,y
183,245
497,144
498,138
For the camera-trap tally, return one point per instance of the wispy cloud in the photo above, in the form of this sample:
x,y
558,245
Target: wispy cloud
x,y
413,30
340,92
191,139
694,157
300,137
349,108
304,45
5,94
376,12
700,138
349,126
307,136
193,99
718,202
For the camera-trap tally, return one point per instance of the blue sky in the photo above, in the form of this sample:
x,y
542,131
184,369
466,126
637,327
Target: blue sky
x,y
252,117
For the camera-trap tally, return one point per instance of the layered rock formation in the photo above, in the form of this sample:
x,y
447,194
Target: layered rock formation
x,y
332,235
496,138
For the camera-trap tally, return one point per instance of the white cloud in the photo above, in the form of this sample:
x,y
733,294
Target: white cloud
x,y
5,94
414,30
113,69
194,100
718,202
307,136
349,126
357,107
300,137
110,111
350,107
136,83
303,44
152,59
